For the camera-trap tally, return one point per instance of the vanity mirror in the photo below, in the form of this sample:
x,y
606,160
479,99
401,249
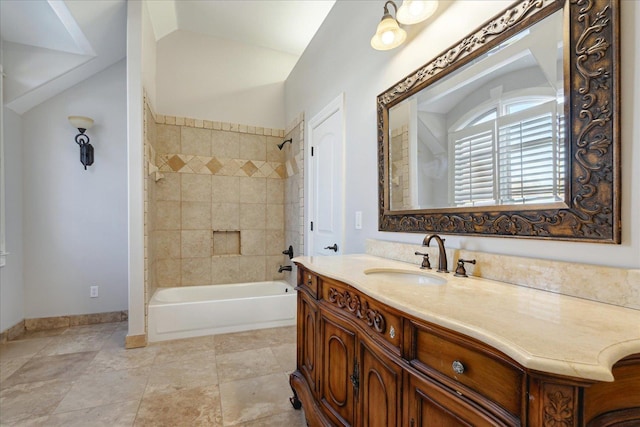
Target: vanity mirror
x,y
514,131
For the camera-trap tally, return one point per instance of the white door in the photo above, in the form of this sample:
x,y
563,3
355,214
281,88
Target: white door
x,y
325,226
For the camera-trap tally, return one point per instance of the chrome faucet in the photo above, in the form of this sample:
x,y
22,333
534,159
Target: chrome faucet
x,y
442,254
284,268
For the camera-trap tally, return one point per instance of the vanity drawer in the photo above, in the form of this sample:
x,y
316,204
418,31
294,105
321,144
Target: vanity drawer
x,y
308,280
466,363
375,318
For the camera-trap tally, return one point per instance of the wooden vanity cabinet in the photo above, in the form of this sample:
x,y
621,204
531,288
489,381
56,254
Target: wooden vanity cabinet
x,y
338,385
307,331
429,404
380,397
353,380
362,363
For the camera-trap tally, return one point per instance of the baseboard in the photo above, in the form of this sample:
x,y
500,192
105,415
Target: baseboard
x,y
135,341
13,332
47,323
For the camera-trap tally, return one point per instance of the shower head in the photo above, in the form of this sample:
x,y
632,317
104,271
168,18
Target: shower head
x,y
281,145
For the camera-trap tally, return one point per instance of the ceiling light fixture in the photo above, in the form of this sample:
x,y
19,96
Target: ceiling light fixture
x,y
389,34
86,150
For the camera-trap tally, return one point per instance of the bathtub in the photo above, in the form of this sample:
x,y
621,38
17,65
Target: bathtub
x,y
193,311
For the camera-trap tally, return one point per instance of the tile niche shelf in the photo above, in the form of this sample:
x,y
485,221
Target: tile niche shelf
x,y
226,242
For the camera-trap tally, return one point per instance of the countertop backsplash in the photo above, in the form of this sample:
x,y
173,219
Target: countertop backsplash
x,y
617,286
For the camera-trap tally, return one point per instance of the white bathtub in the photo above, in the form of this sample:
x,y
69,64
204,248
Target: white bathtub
x,y
193,311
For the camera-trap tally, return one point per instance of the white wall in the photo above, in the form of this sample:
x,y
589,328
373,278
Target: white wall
x,y
135,167
149,56
11,277
340,59
75,221
193,80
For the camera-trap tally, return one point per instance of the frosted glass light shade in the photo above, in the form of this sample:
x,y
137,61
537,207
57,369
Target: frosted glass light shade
x,y
81,122
388,34
414,11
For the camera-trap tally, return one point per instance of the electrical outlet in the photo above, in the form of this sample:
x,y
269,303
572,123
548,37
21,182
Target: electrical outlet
x,y
93,292
358,220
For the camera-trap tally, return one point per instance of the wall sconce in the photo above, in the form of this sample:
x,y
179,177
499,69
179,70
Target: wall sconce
x,y
389,34
86,150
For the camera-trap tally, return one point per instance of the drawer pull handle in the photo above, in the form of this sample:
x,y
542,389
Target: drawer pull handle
x,y
392,332
458,367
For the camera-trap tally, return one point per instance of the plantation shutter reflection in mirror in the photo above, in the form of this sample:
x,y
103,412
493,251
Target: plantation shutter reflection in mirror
x,y
505,160
527,140
473,171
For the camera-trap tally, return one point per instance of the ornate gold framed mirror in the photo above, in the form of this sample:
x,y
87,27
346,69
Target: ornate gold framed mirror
x,y
514,131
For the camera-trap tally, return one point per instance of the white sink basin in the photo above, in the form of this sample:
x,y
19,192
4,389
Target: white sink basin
x,y
405,276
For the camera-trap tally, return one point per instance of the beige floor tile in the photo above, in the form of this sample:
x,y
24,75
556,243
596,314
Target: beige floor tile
x,y
75,343
22,348
120,414
246,364
92,329
285,354
66,367
30,422
115,359
42,334
97,389
9,366
182,350
122,326
116,340
291,418
170,377
171,383
254,398
199,406
250,340
30,400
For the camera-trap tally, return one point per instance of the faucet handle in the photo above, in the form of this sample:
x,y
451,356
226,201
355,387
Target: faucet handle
x,y
288,252
460,270
426,264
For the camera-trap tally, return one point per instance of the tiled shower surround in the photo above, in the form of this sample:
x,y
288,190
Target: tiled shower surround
x,y
215,210
294,192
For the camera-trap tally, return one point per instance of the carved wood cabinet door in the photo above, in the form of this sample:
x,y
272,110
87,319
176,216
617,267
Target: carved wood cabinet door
x,y
380,388
338,369
307,340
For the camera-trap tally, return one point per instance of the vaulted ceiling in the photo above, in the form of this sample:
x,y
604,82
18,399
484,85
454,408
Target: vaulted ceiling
x,y
51,45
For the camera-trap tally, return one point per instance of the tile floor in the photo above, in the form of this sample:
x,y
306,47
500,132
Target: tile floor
x,y
83,376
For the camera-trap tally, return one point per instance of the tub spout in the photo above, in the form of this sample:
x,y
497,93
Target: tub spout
x,y
284,268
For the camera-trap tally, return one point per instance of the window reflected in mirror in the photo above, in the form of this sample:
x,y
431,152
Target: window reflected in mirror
x,y
490,133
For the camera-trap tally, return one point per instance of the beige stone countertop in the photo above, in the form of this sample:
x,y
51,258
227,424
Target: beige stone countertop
x,y
541,330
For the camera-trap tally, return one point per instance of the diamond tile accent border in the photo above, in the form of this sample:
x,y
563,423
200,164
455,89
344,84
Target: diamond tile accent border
x,y
185,163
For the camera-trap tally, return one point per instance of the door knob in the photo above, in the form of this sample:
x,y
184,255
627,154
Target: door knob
x,y
333,248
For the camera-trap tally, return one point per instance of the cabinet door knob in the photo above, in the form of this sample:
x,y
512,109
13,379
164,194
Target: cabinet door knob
x,y
458,367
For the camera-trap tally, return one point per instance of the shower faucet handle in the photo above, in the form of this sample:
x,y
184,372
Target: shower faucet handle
x,y
288,252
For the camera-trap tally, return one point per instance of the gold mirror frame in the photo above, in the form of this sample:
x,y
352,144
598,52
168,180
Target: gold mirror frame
x,y
592,108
